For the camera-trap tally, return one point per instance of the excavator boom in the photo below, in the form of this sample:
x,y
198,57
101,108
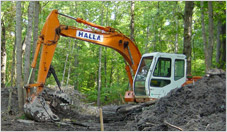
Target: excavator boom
x,y
155,74
50,34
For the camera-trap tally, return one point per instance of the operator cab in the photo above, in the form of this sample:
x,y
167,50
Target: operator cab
x,y
159,73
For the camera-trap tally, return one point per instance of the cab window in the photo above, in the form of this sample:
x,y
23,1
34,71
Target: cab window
x,y
178,69
163,68
159,82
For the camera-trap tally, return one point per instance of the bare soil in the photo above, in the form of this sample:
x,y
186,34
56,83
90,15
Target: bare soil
x,y
198,107
80,117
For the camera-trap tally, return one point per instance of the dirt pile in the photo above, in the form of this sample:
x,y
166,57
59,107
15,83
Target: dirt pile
x,y
201,106
80,117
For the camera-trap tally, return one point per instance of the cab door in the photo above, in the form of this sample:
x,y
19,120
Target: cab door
x,y
141,76
169,73
161,78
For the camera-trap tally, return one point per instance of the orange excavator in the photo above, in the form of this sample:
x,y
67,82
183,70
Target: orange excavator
x,y
151,75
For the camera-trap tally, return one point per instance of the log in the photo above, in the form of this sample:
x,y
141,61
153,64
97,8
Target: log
x,y
118,113
109,114
130,107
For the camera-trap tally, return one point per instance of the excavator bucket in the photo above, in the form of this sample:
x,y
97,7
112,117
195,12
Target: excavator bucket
x,y
39,110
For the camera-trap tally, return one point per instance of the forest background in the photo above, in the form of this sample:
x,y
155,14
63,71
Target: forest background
x,y
155,26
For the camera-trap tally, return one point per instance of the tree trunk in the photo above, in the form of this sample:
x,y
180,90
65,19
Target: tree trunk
x,y
66,61
13,65
147,39
204,34
223,36
3,55
105,65
75,56
218,48
100,68
156,29
189,5
9,99
28,41
19,82
12,79
211,35
63,76
105,50
69,70
132,37
176,22
76,65
35,34
99,77
112,68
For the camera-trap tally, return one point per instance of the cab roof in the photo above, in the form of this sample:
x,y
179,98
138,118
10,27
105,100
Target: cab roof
x,y
167,55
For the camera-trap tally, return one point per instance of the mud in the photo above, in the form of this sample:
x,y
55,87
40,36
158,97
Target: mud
x,y
198,107
79,117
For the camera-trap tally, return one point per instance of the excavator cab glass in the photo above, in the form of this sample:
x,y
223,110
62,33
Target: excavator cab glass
x,y
162,69
159,73
141,76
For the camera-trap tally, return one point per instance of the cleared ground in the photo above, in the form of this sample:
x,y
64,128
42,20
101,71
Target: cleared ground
x,y
197,107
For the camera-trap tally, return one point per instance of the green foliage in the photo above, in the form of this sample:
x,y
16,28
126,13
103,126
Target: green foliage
x,y
23,117
110,95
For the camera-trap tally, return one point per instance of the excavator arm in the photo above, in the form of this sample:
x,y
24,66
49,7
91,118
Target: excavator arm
x,y
50,34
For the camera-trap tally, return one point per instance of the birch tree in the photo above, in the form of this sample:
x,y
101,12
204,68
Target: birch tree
x,y
19,81
177,32
35,34
66,61
100,66
69,69
28,41
3,54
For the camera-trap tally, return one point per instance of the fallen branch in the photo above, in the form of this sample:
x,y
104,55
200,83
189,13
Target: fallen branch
x,y
173,126
79,124
128,108
207,127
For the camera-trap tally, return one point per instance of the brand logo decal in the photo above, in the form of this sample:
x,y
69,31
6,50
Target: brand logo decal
x,y
91,36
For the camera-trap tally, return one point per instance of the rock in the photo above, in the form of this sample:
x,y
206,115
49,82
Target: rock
x,y
215,72
26,121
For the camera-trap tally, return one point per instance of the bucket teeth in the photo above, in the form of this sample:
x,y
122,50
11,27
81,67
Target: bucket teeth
x,y
39,110
62,96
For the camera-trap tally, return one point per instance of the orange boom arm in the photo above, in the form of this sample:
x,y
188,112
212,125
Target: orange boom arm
x,y
108,37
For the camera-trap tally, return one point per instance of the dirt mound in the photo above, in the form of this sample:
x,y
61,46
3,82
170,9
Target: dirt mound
x,y
80,116
201,106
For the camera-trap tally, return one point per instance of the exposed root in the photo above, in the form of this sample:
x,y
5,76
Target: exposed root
x,y
173,126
